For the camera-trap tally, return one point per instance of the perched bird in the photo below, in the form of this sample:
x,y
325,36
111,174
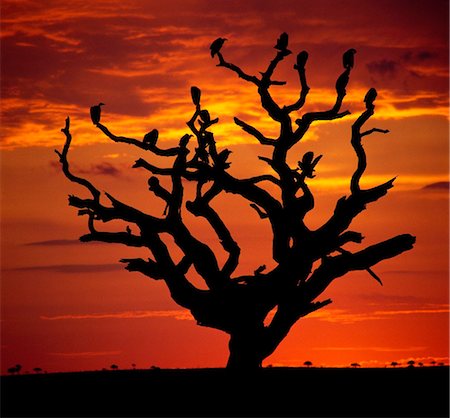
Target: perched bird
x,y
370,96
259,270
204,116
282,42
195,94
342,81
95,113
216,45
348,58
302,57
221,159
151,138
308,163
184,140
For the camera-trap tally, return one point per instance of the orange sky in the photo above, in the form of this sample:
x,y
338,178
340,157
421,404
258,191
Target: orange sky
x,y
71,306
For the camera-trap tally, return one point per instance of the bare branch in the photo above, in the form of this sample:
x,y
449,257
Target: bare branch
x,y
253,131
140,144
237,70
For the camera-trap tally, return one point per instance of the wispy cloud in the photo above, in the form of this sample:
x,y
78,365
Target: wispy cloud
x,y
346,317
438,186
72,268
175,314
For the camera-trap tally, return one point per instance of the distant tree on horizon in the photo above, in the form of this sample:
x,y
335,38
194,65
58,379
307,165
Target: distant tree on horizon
x,y
433,363
37,370
15,369
114,367
395,364
307,363
355,365
305,260
411,363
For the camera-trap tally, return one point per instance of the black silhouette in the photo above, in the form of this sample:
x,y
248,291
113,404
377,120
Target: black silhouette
x,y
348,59
114,367
355,365
306,261
151,138
96,112
395,364
307,363
15,369
215,48
411,363
37,370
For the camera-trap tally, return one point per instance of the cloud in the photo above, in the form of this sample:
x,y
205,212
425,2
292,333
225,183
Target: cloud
x,y
384,68
72,268
343,316
175,314
440,185
103,168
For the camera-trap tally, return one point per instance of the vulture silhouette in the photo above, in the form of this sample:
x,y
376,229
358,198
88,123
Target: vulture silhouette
x,y
95,113
348,58
151,137
370,96
302,57
282,42
216,45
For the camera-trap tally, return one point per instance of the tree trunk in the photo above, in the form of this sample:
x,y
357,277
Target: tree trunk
x,y
245,350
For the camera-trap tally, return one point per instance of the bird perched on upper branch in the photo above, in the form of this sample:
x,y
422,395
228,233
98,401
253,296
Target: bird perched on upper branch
x,y
308,163
95,113
348,58
302,57
151,137
216,45
370,97
282,42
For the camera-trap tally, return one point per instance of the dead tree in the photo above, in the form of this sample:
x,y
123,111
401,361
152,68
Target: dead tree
x,y
307,260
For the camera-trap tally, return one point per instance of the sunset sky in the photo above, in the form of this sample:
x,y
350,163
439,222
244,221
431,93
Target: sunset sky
x,y
69,306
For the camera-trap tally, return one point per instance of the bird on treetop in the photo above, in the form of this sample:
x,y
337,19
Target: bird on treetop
x,y
302,57
348,58
95,113
216,45
370,96
282,42
151,137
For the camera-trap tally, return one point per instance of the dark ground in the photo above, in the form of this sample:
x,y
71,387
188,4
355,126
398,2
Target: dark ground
x,y
272,392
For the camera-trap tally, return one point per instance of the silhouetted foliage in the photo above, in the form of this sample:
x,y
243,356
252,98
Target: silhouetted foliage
x,y
307,363
355,365
306,260
433,363
114,367
37,370
15,369
395,364
411,363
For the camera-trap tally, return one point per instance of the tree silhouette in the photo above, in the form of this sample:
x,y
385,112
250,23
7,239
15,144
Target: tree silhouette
x,y
37,370
15,369
307,363
394,364
355,365
411,363
306,260
433,362
114,367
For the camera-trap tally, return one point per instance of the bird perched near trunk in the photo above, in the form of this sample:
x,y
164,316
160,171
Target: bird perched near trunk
x,y
95,113
370,97
216,45
151,138
348,58
302,57
308,164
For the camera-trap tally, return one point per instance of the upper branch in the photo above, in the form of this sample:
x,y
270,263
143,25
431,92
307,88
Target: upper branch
x,y
65,163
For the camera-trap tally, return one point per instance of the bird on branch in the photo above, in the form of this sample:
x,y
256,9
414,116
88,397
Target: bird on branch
x,y
370,97
95,113
282,42
216,46
302,57
348,58
151,138
308,163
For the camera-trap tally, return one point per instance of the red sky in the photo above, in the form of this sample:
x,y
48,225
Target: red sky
x,y
71,306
